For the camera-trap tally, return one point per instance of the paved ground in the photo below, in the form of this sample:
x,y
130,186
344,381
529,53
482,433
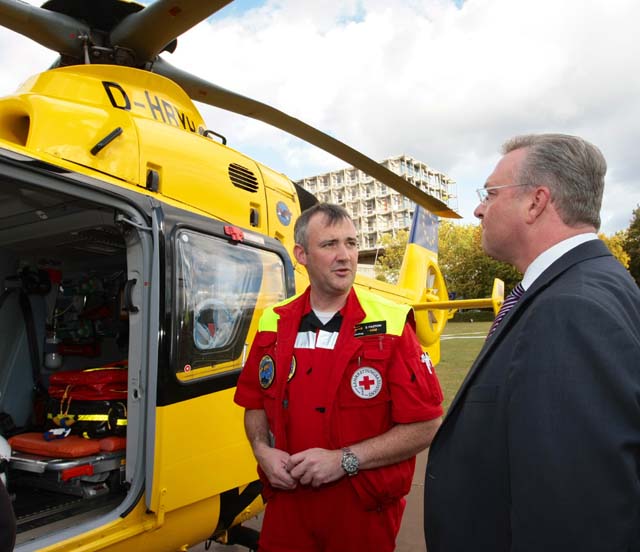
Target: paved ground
x,y
410,538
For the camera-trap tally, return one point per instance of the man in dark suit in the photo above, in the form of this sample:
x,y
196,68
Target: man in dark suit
x,y
540,449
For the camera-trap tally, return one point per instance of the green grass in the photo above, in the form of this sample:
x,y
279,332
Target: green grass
x,y
457,354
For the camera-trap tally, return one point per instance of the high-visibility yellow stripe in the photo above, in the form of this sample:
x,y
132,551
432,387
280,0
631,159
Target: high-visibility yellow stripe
x,y
92,418
376,308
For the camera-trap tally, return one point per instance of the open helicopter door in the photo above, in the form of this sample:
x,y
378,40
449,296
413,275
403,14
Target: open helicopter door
x,y
92,241
209,283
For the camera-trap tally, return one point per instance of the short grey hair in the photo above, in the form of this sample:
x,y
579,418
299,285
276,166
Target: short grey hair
x,y
333,214
571,167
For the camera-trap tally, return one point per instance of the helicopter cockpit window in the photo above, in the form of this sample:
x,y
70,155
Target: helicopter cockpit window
x,y
219,286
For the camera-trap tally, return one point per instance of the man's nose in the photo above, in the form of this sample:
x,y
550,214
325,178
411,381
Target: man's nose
x,y
343,251
479,211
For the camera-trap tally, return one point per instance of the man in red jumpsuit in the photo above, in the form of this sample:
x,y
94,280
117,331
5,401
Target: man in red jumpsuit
x,y
339,399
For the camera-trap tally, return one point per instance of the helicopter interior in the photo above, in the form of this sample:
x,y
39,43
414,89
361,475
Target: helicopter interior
x,y
63,264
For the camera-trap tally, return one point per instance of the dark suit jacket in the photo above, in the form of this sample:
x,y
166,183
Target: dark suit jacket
x,y
540,449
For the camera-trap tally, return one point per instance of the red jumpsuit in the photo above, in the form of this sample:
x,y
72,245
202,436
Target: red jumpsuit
x,y
325,387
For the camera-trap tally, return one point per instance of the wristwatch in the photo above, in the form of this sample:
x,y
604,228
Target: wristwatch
x,y
350,463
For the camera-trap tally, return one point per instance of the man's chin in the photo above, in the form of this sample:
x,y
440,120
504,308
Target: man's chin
x,y
343,285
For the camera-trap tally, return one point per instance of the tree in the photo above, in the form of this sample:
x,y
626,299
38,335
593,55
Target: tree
x,y
468,271
389,262
632,245
616,244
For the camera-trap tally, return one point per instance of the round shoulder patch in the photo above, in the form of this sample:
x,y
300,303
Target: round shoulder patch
x,y
366,382
266,371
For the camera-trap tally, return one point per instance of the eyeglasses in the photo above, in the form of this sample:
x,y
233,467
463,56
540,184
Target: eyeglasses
x,y
483,193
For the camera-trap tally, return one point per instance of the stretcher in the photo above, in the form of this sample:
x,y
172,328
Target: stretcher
x,y
74,466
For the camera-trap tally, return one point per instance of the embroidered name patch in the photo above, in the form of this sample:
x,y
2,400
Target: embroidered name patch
x,y
370,328
266,371
366,382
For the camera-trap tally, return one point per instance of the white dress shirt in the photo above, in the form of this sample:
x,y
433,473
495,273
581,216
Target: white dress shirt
x,y
551,255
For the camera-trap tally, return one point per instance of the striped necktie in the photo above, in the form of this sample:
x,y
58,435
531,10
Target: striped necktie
x,y
508,304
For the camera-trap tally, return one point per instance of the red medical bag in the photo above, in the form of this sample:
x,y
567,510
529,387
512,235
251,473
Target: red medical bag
x,y
92,402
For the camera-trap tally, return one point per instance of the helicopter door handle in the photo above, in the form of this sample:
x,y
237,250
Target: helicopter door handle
x,y
95,150
128,299
208,133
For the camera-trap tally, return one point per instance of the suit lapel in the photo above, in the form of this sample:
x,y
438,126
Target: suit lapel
x,y
587,250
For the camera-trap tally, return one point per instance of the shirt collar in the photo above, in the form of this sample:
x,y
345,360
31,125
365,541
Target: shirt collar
x,y
351,309
551,255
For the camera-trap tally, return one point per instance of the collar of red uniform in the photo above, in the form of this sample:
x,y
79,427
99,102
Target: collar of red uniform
x,y
352,310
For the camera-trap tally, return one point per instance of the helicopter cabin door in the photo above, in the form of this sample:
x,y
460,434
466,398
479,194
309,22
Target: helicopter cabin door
x,y
218,278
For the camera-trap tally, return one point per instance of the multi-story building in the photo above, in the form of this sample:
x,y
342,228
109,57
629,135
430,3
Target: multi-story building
x,y
377,209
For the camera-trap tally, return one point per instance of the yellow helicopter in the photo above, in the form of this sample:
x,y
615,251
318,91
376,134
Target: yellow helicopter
x,y
138,251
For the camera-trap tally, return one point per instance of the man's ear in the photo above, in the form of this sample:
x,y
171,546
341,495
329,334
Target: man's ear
x,y
299,254
540,200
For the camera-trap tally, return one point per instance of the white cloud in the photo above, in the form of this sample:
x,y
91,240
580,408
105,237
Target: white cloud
x,y
421,77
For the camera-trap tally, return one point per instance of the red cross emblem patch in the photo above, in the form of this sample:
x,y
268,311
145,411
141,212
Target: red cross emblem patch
x,y
366,382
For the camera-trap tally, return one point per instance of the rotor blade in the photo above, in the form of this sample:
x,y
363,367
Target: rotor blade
x,y
216,96
56,31
148,31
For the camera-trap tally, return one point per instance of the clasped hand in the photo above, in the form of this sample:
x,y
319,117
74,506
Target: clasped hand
x,y
313,467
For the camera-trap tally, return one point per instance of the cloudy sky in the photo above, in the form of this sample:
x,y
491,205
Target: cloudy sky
x,y
441,80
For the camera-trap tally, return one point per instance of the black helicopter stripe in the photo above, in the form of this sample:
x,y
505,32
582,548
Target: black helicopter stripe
x,y
232,502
